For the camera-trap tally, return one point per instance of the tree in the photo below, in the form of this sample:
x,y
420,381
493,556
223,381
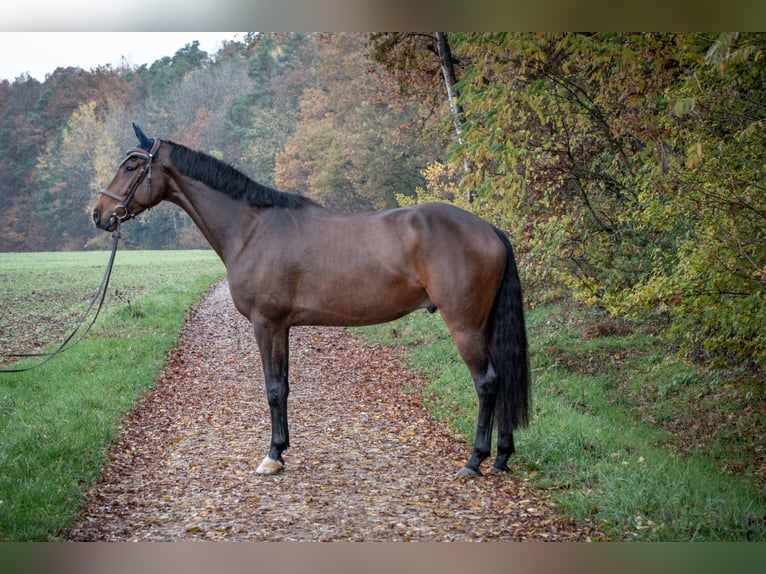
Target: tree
x,y
715,290
424,64
259,121
628,168
351,149
447,63
168,72
19,145
71,172
35,115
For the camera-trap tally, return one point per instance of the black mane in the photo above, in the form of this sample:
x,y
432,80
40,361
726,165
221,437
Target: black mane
x,y
223,177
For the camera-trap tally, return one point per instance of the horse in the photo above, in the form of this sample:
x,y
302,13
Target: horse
x,y
290,262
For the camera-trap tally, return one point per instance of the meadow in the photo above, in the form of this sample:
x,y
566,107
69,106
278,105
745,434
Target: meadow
x,y
57,421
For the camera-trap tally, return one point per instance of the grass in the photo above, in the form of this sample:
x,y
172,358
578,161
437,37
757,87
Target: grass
x,y
57,421
628,436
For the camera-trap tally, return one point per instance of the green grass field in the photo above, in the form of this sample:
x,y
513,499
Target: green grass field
x,y
56,422
626,435
641,443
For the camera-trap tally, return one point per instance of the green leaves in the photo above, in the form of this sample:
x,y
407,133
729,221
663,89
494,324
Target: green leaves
x,y
684,106
628,168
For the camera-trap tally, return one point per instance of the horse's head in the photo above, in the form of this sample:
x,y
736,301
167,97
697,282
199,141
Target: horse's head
x,y
130,191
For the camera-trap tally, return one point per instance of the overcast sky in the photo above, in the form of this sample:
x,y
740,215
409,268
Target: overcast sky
x,y
40,53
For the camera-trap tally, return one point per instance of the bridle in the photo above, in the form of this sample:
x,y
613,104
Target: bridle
x,y
123,212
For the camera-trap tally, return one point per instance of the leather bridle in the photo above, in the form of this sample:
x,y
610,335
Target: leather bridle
x,y
123,212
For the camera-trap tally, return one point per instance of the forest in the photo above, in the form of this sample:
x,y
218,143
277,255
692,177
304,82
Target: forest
x,y
628,169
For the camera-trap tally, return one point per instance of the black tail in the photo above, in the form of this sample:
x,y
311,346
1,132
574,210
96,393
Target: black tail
x,y
508,348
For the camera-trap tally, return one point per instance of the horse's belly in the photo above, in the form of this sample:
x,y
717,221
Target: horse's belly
x,y
347,309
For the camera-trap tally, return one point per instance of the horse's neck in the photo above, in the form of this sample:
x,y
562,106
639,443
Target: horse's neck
x,y
222,220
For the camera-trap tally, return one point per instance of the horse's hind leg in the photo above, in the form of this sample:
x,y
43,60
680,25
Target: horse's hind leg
x,y
473,349
505,448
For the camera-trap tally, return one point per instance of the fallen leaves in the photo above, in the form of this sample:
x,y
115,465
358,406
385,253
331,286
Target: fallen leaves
x,y
367,461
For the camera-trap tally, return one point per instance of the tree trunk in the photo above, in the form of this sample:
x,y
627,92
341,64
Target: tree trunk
x,y
450,79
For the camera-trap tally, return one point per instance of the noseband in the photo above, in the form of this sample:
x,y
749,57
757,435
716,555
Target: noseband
x,y
123,212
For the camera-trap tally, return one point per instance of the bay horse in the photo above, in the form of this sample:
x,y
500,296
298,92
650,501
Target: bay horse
x,y
290,261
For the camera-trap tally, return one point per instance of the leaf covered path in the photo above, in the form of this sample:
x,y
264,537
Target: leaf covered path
x,y
367,461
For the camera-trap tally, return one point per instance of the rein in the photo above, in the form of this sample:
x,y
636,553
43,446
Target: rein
x,y
98,296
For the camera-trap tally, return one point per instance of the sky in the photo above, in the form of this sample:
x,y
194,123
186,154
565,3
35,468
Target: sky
x,y
40,53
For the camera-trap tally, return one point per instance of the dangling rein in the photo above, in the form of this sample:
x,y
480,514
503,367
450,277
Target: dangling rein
x,y
98,296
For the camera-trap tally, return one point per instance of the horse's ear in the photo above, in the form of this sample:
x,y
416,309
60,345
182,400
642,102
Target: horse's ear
x,y
144,142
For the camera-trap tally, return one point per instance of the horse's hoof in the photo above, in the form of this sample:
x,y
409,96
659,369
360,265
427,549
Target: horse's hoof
x,y
269,466
469,472
503,469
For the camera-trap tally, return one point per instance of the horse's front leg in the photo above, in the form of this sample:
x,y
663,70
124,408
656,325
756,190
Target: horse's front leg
x,y
274,345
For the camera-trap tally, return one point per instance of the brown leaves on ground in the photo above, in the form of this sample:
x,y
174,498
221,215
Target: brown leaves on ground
x,y
367,462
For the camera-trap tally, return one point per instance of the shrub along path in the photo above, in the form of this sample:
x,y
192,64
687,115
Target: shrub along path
x,y
367,460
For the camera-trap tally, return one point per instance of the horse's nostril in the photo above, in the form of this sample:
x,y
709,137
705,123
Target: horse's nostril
x,y
96,216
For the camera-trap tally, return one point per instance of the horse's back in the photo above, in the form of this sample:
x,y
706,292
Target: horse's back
x,y
444,248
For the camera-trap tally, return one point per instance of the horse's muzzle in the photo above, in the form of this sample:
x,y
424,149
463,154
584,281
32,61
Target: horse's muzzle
x,y
107,225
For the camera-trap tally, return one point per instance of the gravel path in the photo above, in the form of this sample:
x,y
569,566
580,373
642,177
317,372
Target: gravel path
x,y
367,462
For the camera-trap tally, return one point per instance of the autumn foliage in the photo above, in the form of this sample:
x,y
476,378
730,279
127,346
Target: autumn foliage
x,y
631,167
307,112
628,168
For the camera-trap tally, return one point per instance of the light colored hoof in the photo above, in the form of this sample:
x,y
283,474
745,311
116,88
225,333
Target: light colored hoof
x,y
269,466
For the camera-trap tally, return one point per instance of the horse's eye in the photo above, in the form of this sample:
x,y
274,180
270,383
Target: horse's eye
x,y
130,167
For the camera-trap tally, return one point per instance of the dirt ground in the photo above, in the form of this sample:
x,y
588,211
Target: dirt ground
x,y
367,462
